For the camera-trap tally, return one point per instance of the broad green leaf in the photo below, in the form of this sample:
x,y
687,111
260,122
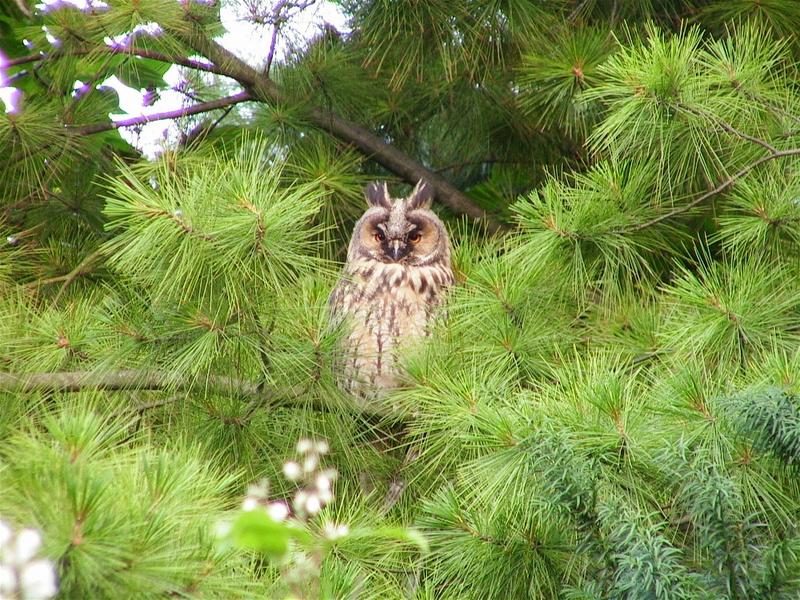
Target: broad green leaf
x,y
256,530
140,73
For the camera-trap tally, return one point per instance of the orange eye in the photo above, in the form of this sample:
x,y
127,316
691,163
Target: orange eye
x,y
414,237
379,237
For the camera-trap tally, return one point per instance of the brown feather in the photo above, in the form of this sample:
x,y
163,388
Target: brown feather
x,y
387,303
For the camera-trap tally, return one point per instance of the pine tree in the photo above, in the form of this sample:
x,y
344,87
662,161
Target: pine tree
x,y
611,408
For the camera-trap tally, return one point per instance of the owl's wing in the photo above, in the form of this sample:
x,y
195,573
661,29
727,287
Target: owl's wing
x,y
336,303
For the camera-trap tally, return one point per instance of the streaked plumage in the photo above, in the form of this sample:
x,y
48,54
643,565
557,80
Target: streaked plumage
x,y
397,270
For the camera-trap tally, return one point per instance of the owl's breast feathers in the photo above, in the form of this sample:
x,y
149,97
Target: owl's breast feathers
x,y
386,307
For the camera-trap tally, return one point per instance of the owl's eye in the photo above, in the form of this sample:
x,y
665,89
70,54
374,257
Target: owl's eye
x,y
379,236
414,237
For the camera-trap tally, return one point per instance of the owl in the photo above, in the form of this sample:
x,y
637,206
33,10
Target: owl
x,y
396,275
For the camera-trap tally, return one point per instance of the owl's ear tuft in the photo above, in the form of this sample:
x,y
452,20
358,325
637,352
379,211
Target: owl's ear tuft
x,y
421,196
377,194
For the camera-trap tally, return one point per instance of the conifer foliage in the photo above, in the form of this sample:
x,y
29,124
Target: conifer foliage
x,y
611,407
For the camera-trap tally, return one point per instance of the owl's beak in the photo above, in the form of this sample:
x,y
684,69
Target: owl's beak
x,y
396,249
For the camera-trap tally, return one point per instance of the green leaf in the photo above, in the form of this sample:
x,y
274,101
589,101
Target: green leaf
x,y
113,140
9,44
256,530
141,73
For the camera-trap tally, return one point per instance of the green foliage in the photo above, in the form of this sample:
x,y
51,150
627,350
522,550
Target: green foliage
x,y
731,312
118,512
554,75
230,218
762,213
771,417
608,405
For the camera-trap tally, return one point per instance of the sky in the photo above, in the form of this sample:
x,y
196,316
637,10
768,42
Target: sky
x,y
247,40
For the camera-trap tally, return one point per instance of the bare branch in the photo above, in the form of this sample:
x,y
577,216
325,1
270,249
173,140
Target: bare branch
x,y
271,54
156,404
170,114
202,130
76,381
81,269
276,25
261,88
24,8
774,153
128,380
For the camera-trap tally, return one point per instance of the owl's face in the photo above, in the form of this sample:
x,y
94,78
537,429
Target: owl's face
x,y
399,230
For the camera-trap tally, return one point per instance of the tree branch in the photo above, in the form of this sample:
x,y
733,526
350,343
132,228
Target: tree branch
x,y
170,114
140,52
24,8
132,379
717,190
81,269
371,145
276,25
774,153
76,381
263,89
202,130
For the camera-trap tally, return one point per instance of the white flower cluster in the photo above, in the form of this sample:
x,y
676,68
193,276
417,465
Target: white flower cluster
x,y
315,483
22,575
315,486
258,496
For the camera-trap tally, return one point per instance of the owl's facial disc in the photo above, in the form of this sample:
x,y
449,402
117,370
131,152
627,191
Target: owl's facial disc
x,y
397,231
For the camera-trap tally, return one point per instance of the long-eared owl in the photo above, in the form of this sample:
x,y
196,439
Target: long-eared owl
x,y
397,271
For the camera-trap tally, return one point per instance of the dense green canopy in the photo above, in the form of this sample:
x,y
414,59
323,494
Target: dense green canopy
x,y
611,408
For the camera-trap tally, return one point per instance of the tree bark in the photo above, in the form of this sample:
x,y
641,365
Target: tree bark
x,y
76,381
133,379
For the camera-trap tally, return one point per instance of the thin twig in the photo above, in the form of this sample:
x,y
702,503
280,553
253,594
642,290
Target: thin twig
x,y
140,408
202,130
69,277
774,153
771,107
24,8
728,127
276,25
577,10
717,190
79,270
170,114
10,81
262,89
